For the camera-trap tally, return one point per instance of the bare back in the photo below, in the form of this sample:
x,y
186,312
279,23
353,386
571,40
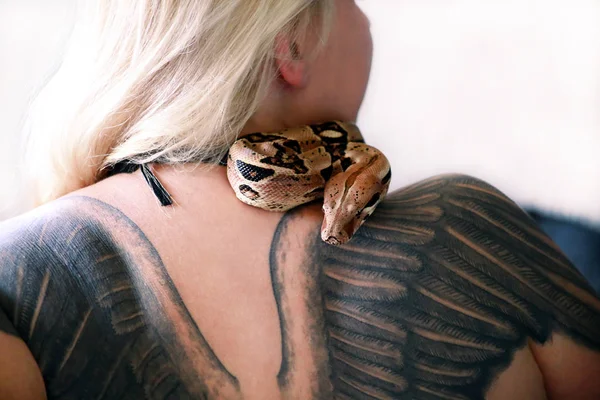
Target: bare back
x,y
448,292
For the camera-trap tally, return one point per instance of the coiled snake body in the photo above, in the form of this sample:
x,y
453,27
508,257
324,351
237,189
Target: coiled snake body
x,y
280,171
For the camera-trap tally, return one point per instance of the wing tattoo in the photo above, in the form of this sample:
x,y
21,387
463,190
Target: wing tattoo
x,y
98,311
430,300
439,288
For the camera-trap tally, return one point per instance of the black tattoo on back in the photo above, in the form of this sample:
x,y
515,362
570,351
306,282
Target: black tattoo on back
x,y
98,311
446,280
430,300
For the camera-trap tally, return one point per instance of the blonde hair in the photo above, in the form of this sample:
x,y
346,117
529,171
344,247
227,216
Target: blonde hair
x,y
142,80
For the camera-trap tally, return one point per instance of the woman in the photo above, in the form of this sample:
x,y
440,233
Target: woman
x,y
449,291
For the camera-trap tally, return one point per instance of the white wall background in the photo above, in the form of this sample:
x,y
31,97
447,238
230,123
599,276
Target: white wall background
x,y
32,36
506,90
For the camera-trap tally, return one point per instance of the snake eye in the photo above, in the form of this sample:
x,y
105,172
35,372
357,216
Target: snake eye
x,y
387,177
373,200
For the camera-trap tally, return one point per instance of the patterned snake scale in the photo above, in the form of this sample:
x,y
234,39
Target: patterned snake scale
x,y
283,170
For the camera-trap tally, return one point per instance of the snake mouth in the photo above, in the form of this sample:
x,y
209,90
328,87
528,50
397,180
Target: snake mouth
x,y
333,241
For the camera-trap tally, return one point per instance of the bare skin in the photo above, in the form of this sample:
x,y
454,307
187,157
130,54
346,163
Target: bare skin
x,y
449,291
256,308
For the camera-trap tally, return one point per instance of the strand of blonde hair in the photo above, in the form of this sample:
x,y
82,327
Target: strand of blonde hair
x,y
149,79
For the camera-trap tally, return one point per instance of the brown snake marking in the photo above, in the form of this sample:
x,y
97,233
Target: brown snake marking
x,y
280,171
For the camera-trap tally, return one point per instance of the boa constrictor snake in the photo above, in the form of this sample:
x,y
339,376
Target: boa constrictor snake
x,y
283,170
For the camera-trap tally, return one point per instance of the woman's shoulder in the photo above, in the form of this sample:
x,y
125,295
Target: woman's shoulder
x,y
452,278
445,188
51,228
465,208
84,289
456,235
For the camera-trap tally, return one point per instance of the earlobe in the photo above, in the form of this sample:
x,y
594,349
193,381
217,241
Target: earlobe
x,y
290,64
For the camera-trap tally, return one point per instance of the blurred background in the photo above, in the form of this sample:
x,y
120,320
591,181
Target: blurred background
x,y
505,90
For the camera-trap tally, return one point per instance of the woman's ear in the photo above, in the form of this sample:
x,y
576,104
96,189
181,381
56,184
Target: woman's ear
x,y
290,64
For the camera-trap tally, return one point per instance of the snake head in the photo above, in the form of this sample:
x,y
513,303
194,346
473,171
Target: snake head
x,y
349,200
